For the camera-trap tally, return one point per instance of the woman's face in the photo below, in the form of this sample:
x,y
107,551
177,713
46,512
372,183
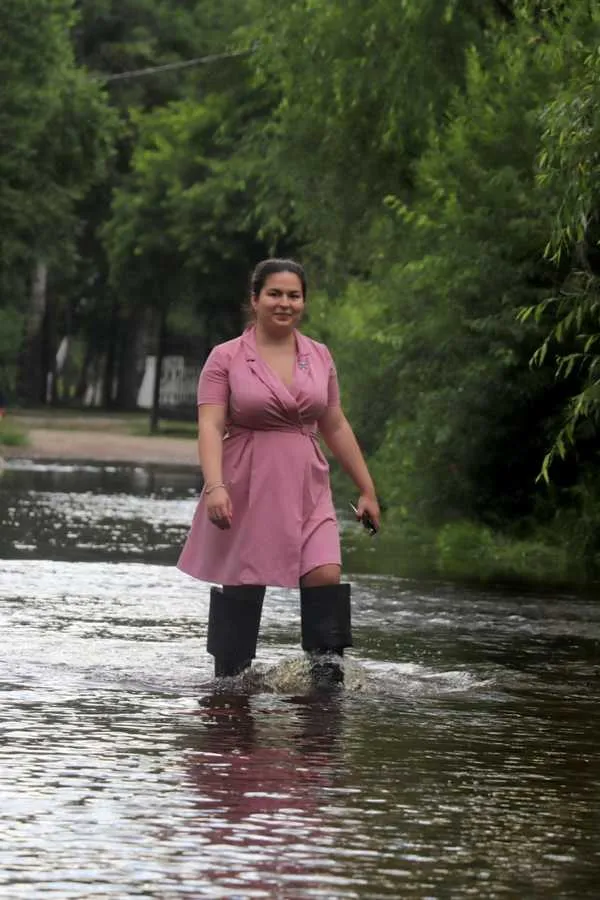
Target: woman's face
x,y
280,304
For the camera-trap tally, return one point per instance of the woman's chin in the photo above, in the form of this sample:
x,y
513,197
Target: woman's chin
x,y
280,324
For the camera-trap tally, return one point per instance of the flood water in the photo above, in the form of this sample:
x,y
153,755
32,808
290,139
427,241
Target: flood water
x,y
461,760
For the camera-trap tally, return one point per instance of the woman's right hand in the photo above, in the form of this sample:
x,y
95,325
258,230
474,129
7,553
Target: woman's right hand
x,y
219,508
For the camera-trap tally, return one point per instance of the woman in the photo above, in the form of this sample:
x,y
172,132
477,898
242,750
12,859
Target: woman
x,y
266,515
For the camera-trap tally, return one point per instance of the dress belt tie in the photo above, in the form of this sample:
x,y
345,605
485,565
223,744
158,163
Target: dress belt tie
x,y
308,430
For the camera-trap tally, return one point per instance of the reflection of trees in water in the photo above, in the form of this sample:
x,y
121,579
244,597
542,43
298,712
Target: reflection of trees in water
x,y
94,513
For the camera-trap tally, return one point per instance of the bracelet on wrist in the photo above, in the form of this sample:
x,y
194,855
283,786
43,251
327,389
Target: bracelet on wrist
x,y
208,489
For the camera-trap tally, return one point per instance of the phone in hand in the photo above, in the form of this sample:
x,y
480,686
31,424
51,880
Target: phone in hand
x,y
366,520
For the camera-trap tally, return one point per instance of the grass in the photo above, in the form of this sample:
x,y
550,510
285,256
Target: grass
x,y
465,549
461,552
166,428
133,423
11,435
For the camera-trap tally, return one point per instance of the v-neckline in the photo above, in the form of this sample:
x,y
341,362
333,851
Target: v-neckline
x,y
288,387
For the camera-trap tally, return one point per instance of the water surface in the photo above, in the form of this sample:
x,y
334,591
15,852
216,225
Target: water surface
x,y
461,760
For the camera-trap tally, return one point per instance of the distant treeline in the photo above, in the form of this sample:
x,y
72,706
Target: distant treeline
x,y
434,163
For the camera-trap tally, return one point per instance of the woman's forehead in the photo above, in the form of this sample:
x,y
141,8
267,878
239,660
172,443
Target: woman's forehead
x,y
284,281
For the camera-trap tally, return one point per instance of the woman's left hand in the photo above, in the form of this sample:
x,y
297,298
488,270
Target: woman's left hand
x,y
367,503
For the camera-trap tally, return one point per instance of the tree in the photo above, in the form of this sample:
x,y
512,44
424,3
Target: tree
x,y
55,136
114,38
569,176
459,422
357,89
179,235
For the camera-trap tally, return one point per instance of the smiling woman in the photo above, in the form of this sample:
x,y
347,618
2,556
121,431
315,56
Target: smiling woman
x,y
277,302
266,514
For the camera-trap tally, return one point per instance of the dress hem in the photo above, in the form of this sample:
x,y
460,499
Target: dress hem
x,y
216,581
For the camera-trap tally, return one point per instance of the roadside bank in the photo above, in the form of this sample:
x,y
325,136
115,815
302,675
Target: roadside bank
x,y
93,438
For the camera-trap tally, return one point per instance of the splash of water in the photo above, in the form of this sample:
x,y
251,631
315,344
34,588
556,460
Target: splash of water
x,y
292,676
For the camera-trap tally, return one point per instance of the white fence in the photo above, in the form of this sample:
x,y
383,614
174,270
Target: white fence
x,y
178,383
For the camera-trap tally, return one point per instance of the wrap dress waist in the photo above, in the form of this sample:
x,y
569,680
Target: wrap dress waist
x,y
284,427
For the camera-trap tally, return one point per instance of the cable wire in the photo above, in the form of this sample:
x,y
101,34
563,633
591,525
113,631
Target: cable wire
x,y
169,67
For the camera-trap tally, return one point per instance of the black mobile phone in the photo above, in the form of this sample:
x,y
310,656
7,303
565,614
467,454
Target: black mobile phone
x,y
366,520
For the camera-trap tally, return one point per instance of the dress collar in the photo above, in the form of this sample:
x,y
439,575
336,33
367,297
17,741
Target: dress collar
x,y
251,349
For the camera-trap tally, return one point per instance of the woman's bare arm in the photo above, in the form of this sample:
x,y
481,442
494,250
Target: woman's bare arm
x,y
211,428
339,437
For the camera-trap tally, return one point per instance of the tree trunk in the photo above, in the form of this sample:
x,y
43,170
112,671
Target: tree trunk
x,y
131,354
161,342
32,375
82,378
110,359
48,352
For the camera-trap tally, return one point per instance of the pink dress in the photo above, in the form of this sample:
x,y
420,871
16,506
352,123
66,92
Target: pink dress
x,y
284,522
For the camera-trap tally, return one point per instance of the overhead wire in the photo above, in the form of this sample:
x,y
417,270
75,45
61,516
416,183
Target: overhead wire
x,y
170,67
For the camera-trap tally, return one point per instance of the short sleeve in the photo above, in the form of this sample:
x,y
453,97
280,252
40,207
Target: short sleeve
x,y
333,387
213,384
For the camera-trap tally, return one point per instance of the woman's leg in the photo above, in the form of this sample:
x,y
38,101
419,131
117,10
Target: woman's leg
x,y
327,574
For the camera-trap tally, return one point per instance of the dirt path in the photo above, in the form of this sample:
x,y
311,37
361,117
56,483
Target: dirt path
x,y
104,446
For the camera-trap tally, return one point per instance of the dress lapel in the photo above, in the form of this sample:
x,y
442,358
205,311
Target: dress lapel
x,y
267,376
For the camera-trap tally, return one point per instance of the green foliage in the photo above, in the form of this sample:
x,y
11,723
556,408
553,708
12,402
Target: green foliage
x,y
450,397
578,523
168,428
569,177
55,129
170,231
56,137
431,352
465,550
11,329
114,37
179,225
376,79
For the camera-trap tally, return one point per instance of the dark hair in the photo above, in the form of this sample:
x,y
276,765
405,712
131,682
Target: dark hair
x,y
270,267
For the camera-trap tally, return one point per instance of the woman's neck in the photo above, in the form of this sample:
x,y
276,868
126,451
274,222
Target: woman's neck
x,y
265,339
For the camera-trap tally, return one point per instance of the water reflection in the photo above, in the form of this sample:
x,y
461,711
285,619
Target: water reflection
x,y
263,783
261,777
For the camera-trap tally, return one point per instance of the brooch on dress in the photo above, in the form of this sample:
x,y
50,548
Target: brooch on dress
x,y
303,362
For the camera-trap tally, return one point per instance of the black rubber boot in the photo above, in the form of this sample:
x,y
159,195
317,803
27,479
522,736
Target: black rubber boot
x,y
326,630
233,623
